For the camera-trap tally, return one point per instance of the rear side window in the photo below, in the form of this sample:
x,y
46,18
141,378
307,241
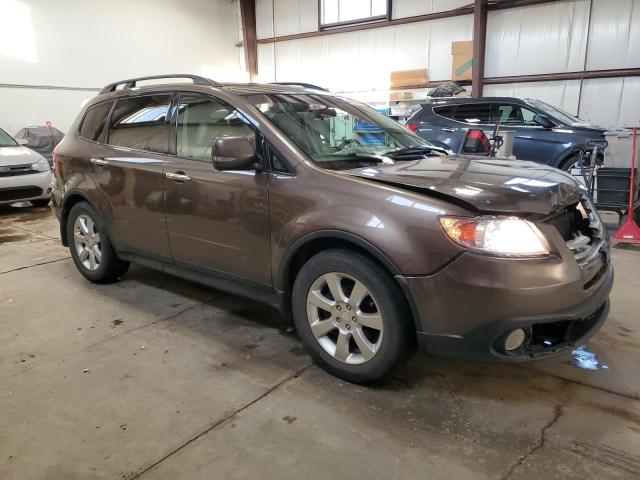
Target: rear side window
x,y
95,121
201,120
141,123
445,111
473,113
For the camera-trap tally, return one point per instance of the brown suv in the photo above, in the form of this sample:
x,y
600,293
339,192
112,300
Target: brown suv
x,y
372,241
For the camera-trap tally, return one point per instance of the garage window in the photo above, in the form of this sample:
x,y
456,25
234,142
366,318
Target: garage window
x,y
201,120
141,123
334,13
95,121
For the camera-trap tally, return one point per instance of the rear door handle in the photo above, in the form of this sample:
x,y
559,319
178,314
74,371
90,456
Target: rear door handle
x,y
447,129
99,161
178,176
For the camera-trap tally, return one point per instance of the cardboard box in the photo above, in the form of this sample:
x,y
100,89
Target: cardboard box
x,y
401,95
462,65
409,78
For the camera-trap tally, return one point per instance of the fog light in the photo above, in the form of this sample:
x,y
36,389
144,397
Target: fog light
x,y
515,340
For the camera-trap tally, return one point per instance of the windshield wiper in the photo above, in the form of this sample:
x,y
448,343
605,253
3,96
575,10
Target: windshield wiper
x,y
371,156
414,153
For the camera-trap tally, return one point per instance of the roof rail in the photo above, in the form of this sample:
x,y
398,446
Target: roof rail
x,y
300,84
131,82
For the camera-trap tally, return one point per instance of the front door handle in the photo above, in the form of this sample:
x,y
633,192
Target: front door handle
x,y
178,176
447,129
99,161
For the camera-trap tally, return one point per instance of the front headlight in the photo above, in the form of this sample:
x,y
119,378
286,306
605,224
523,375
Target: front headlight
x,y
41,166
505,236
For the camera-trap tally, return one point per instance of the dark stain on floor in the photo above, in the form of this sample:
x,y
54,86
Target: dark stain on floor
x,y
298,351
12,238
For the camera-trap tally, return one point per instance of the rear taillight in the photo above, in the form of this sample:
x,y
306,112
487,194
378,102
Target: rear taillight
x,y
412,126
476,141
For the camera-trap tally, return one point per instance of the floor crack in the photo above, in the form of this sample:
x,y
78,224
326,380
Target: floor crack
x,y
557,413
40,234
584,384
35,265
220,422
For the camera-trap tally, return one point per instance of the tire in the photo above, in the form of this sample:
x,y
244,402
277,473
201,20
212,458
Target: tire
x,y
568,163
43,202
386,348
103,268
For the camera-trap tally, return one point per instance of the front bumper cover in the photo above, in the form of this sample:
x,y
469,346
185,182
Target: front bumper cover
x,y
466,310
22,188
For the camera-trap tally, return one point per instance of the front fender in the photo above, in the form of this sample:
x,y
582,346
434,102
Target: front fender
x,y
397,226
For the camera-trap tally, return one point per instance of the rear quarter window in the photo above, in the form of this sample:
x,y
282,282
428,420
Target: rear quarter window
x,y
95,121
141,123
446,111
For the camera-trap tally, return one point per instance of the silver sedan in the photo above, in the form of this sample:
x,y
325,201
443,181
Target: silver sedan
x,y
25,175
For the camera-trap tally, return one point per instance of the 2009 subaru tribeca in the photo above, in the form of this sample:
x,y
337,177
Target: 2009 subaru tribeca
x,y
370,240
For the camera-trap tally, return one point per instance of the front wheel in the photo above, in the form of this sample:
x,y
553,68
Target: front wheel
x,y
90,246
351,316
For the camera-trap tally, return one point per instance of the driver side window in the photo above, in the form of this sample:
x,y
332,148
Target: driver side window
x,y
201,120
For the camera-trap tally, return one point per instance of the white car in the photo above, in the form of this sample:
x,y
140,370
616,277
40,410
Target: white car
x,y
25,175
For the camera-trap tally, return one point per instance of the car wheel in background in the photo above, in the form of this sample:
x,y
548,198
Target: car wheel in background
x,y
90,246
352,316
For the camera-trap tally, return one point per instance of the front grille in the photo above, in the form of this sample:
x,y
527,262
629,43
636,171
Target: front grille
x,y
581,229
19,193
15,170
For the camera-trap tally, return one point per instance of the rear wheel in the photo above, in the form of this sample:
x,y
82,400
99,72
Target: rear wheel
x,y
90,246
352,316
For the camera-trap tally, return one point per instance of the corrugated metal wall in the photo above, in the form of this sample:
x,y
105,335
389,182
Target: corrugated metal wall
x,y
547,38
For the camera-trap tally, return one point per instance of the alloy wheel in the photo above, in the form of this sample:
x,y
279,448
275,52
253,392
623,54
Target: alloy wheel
x,y
87,242
344,318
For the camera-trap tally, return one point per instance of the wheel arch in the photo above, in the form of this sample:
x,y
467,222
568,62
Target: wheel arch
x,y
69,201
309,245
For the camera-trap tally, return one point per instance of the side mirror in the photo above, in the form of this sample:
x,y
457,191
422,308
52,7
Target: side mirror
x,y
234,153
22,141
543,121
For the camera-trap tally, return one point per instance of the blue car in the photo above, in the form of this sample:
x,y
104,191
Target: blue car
x,y
543,133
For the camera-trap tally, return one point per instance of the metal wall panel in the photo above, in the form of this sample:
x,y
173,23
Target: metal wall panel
x,y
547,38
363,60
611,102
563,94
264,18
615,35
266,63
411,8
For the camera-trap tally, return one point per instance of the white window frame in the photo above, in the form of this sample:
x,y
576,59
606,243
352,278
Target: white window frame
x,y
365,19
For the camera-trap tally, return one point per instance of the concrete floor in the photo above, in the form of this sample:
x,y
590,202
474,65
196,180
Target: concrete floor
x,y
159,378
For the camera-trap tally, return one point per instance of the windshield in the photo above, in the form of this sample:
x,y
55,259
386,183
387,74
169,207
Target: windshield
x,y
555,112
6,140
338,133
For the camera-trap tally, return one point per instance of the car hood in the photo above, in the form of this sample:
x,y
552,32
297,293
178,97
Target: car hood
x,y
18,156
587,127
484,184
